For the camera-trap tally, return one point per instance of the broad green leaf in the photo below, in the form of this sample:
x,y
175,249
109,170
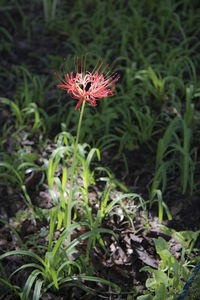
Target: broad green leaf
x,y
145,297
161,292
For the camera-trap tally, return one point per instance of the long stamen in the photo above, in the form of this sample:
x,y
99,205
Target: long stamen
x,y
94,70
81,64
85,63
76,63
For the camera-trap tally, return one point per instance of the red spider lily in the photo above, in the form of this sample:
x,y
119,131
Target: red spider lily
x,y
88,86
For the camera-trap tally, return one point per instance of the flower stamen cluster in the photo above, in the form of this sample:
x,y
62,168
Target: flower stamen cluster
x,y
88,86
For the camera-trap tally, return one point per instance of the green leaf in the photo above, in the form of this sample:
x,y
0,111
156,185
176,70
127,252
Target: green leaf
x,y
160,292
11,286
23,252
161,245
145,297
37,289
90,278
12,170
52,228
54,277
31,265
161,277
15,233
68,264
29,284
14,107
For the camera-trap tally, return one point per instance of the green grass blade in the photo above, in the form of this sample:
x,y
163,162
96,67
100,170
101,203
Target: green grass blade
x,y
12,170
91,278
37,289
31,265
24,252
52,228
29,283
15,233
14,107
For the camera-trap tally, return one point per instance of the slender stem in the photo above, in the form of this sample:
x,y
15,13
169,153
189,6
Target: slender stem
x,y
69,204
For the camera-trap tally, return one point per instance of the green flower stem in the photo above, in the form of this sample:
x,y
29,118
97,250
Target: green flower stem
x,y
69,204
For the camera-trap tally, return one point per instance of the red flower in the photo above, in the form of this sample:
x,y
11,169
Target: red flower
x,y
88,86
